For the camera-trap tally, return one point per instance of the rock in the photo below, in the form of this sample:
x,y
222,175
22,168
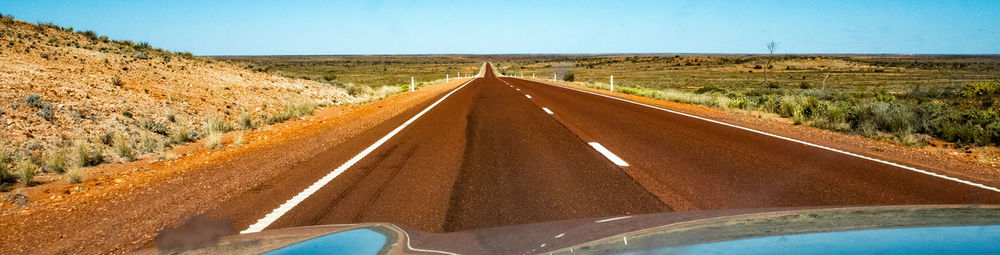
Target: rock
x,y
17,199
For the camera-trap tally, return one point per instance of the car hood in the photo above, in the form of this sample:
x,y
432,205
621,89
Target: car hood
x,y
786,230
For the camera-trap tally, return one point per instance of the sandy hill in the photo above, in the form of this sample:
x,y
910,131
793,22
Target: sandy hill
x,y
60,88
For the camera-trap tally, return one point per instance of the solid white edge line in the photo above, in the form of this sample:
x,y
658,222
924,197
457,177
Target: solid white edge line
x,y
547,110
788,139
291,203
612,219
611,156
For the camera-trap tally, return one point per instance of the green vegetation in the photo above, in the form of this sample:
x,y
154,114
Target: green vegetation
x,y
123,147
58,161
75,176
27,171
88,155
367,77
293,109
904,99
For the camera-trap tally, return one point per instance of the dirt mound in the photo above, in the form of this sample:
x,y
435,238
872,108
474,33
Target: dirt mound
x,y
59,87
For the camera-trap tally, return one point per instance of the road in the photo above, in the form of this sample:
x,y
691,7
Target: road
x,y
507,151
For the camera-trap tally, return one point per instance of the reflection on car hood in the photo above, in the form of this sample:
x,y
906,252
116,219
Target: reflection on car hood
x,y
882,229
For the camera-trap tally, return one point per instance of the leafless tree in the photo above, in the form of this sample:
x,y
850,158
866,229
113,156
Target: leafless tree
x,y
771,46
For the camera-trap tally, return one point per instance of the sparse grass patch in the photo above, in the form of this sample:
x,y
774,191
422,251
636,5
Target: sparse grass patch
x,y
57,161
245,122
88,155
213,141
27,172
6,161
123,148
75,175
213,124
293,109
182,135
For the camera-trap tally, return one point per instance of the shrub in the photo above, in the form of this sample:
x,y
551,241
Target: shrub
x,y
27,172
57,161
245,122
182,135
140,55
980,89
34,100
150,143
708,89
75,175
87,155
46,112
293,109
123,147
569,77
799,108
154,127
6,159
329,77
871,116
213,141
213,124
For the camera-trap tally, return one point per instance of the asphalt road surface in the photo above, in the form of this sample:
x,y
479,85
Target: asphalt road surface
x,y
507,151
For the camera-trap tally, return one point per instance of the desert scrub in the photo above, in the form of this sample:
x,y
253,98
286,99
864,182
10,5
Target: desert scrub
x,y
213,124
245,122
27,171
293,109
123,148
75,175
151,143
88,155
45,110
155,127
182,135
213,140
57,161
6,159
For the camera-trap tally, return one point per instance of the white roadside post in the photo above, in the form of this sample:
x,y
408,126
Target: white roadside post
x,y
532,75
612,83
446,77
553,77
413,84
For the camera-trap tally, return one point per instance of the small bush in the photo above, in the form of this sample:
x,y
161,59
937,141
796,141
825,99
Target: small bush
x,y
46,112
57,161
570,77
6,159
293,109
980,89
329,77
34,100
87,155
213,124
123,148
154,127
213,141
245,122
872,116
182,135
27,172
150,143
75,175
708,89
140,55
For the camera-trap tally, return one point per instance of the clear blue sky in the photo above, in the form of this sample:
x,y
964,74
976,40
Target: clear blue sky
x,y
416,27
